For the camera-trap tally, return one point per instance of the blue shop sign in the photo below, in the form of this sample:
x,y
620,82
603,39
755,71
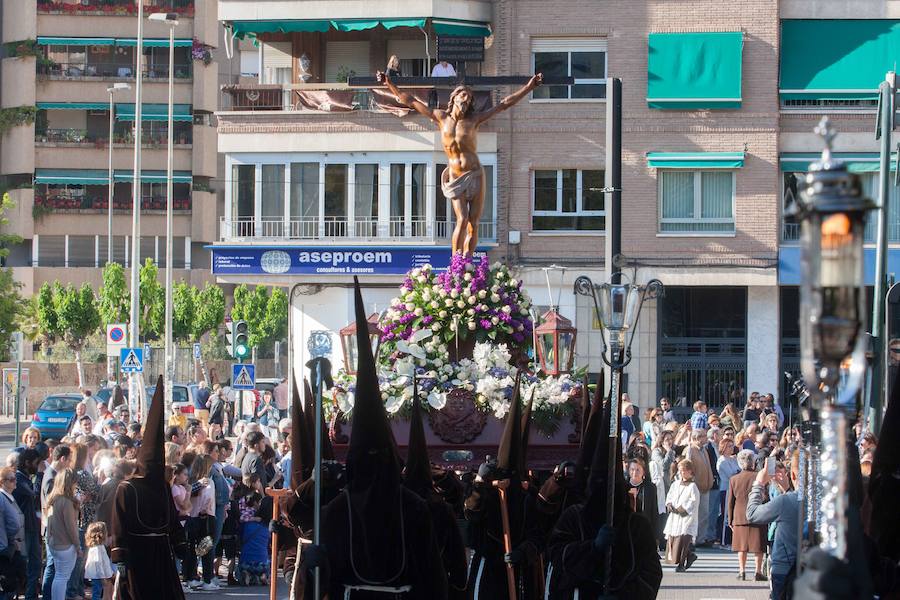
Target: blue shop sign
x,y
325,260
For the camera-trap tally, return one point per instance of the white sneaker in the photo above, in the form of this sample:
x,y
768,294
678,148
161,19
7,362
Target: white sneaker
x,y
210,587
195,584
216,581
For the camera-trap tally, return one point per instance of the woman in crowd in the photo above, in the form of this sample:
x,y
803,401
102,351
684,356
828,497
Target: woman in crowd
x,y
642,494
30,438
200,525
681,526
652,425
730,417
87,491
727,467
393,67
770,424
745,537
62,531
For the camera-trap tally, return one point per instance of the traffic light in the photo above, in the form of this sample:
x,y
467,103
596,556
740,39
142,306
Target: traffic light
x,y
240,340
229,336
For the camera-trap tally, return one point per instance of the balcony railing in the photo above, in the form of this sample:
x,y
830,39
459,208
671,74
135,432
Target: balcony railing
x,y
83,137
101,202
335,98
361,229
115,7
82,70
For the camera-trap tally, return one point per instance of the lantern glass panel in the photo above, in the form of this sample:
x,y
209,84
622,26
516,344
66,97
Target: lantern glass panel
x,y
632,306
351,353
566,351
548,352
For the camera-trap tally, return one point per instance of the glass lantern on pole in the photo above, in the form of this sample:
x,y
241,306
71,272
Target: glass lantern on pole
x,y
555,338
348,342
832,214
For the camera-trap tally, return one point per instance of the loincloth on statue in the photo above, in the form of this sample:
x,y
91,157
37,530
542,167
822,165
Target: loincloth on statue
x,y
464,187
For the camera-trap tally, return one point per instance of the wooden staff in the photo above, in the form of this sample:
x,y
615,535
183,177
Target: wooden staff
x,y
273,575
507,536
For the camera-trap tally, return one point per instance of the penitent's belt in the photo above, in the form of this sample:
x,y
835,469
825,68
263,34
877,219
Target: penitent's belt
x,y
381,589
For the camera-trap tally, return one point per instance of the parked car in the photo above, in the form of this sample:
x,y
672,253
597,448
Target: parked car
x,y
55,415
181,397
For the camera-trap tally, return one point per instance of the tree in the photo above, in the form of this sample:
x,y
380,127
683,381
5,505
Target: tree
x,y
152,302
114,300
11,304
183,311
6,239
209,312
70,315
266,315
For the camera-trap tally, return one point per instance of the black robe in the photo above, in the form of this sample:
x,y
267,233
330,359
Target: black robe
x,y
575,564
450,545
417,561
145,530
487,571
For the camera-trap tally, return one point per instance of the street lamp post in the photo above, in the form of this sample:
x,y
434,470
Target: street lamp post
x,y
134,326
109,225
618,307
171,19
832,212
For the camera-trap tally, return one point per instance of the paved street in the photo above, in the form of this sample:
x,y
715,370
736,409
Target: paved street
x,y
712,577
256,592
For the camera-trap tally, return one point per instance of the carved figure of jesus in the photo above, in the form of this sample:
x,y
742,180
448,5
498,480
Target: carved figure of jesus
x,y
463,180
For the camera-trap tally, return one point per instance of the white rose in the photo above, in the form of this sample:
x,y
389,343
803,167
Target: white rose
x,y
513,282
460,304
523,312
442,314
421,279
454,293
495,298
435,305
482,294
506,309
466,293
472,299
418,312
442,293
471,312
395,301
438,363
472,325
495,320
467,277
448,302
435,326
426,296
415,272
410,306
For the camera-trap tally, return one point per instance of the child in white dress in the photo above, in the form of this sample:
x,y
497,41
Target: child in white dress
x,y
681,526
98,568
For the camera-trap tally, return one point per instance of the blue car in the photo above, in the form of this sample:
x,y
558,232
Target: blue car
x,y
55,414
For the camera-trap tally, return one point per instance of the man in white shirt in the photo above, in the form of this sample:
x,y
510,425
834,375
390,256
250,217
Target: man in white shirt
x,y
443,69
91,404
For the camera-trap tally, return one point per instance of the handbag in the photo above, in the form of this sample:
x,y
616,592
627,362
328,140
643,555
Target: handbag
x,y
205,531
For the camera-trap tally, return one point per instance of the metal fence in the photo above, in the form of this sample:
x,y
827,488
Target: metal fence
x,y
708,369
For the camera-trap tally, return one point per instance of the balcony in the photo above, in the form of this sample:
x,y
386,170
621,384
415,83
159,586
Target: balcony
x,y
329,229
81,71
155,138
114,8
73,203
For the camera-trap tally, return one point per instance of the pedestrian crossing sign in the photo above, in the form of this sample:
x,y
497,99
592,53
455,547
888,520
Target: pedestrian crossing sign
x,y
131,360
243,377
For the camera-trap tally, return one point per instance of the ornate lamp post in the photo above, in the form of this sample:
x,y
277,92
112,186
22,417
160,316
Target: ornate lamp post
x,y
348,342
618,307
555,338
832,212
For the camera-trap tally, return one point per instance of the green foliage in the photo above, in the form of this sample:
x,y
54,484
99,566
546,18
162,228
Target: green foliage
x,y
6,239
77,316
47,322
115,299
152,302
183,311
266,314
11,305
209,310
16,116
22,48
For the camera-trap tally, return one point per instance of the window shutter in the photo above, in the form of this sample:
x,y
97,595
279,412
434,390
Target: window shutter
x,y
405,49
352,55
572,44
277,55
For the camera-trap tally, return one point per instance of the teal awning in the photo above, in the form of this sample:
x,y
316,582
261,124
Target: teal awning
x,y
695,160
127,175
857,162
155,42
687,71
101,176
69,41
155,112
460,28
72,106
441,26
71,176
859,52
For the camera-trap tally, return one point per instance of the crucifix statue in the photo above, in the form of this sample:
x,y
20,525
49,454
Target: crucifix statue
x,y
463,180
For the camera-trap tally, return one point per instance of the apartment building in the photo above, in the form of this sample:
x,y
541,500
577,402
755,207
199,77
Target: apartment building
x,y
62,56
720,100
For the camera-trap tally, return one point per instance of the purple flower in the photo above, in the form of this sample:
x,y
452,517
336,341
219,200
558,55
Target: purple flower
x,y
428,319
485,324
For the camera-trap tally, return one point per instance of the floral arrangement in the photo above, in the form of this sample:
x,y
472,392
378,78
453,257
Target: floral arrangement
x,y
468,299
50,6
201,52
489,374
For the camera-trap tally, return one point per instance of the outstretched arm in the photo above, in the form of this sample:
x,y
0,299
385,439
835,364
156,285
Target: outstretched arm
x,y
512,99
407,99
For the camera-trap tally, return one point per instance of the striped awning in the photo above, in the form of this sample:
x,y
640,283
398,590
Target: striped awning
x,y
695,160
72,106
155,112
105,41
101,176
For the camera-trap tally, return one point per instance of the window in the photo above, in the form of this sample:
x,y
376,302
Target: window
x,y
568,200
696,202
583,59
366,201
336,200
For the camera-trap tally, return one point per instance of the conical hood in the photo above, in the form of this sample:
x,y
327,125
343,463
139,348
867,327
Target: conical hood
x,y
371,433
597,492
302,457
151,457
309,411
509,454
418,465
526,432
884,484
593,421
